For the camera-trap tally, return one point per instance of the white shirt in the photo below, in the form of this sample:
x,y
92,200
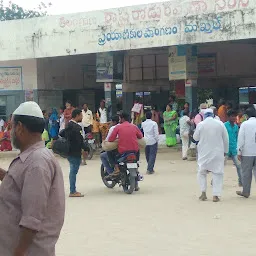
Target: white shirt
x,y
82,126
87,118
150,129
62,122
103,116
184,126
213,143
110,131
247,138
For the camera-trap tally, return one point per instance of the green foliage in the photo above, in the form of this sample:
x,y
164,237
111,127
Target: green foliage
x,y
16,12
203,95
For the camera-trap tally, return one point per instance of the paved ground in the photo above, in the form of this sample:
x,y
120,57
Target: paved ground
x,y
164,218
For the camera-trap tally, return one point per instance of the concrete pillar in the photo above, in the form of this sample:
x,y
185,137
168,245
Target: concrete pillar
x,y
110,98
128,100
191,94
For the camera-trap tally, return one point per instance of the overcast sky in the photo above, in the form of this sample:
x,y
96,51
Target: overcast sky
x,y
64,6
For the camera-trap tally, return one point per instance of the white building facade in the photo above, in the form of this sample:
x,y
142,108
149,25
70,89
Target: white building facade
x,y
47,58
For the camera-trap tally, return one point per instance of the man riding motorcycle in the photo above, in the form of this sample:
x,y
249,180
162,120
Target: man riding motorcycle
x,y
128,135
108,158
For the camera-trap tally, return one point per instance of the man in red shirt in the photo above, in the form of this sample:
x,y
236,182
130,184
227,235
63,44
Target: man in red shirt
x,y
128,135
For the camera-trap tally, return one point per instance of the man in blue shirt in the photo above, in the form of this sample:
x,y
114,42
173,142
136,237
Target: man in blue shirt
x,y
233,129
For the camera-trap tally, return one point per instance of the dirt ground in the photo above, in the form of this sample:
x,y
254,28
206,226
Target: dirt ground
x,y
164,218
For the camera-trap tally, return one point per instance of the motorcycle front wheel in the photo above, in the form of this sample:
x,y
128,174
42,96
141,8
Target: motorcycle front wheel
x,y
104,174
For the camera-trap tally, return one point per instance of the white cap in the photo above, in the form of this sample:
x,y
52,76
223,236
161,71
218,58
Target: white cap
x,y
208,110
29,108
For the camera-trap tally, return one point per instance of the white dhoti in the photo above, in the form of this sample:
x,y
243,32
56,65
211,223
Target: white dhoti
x,y
185,144
217,182
213,143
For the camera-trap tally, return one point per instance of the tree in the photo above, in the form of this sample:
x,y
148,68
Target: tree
x,y
16,12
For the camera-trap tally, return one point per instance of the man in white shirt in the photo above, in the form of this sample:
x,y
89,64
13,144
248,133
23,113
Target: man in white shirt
x,y
87,118
103,119
247,151
151,135
212,147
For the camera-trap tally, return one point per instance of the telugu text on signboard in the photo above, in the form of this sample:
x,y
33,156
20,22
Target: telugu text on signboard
x,y
11,78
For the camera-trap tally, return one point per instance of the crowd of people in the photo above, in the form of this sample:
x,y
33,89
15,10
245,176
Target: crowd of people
x,y
32,197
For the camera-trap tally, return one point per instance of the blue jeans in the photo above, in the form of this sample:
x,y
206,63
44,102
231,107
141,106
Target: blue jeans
x,y
74,163
151,151
238,168
105,162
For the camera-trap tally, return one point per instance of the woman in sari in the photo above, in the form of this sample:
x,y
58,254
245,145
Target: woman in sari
x,y
54,125
5,142
170,125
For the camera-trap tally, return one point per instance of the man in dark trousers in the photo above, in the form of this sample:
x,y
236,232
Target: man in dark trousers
x,y
151,134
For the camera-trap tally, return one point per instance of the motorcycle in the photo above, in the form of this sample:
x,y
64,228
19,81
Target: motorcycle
x,y
90,143
129,174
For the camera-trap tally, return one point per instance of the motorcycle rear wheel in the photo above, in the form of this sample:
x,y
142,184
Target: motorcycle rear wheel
x,y
130,184
104,174
90,152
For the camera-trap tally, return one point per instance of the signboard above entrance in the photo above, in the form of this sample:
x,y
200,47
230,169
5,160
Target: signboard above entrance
x,y
11,78
183,22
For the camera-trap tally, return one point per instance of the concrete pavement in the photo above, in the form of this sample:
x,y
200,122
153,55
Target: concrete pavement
x,y
164,218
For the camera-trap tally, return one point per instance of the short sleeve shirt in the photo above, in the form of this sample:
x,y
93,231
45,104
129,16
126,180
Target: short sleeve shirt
x,y
32,196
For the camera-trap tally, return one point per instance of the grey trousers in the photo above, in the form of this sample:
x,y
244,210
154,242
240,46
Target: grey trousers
x,y
248,165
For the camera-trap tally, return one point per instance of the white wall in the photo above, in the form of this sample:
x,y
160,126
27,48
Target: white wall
x,y
149,25
29,72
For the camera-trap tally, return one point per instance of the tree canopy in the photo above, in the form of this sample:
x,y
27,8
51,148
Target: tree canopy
x,y
14,12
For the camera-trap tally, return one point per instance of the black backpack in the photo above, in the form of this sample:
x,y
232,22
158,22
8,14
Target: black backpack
x,y
62,145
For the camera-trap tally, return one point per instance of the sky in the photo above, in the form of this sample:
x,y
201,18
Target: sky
x,y
65,6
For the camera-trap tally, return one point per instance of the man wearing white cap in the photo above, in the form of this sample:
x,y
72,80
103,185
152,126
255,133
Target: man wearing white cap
x,y
212,147
32,201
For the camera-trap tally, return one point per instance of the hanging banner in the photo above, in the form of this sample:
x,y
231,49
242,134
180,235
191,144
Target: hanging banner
x,y
29,95
11,78
177,63
104,67
183,62
110,67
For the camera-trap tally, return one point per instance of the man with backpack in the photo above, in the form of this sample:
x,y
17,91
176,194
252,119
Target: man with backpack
x,y
73,134
200,116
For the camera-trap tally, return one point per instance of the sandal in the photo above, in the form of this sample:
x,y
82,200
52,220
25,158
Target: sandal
x,y
76,194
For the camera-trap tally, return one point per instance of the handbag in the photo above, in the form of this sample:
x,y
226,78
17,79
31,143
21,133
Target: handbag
x,y
61,147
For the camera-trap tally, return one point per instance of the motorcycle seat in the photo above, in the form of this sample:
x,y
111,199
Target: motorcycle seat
x,y
124,156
